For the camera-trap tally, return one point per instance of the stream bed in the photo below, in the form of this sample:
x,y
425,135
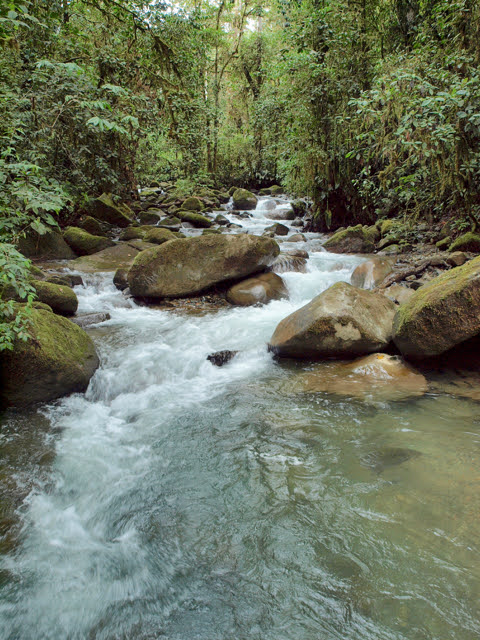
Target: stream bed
x,y
181,501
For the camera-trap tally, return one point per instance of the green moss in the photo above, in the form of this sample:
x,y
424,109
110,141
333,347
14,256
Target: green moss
x,y
467,242
195,218
59,359
61,299
150,216
156,235
444,243
105,209
387,226
133,233
84,243
192,204
243,199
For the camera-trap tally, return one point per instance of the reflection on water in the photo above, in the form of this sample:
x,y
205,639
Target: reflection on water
x,y
190,501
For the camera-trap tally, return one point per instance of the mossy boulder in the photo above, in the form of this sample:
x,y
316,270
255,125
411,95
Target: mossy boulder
x,y
221,219
466,242
173,223
260,289
441,314
49,246
121,255
133,233
59,359
120,278
444,243
150,216
358,239
299,207
158,236
187,266
105,209
84,243
276,190
90,225
198,221
342,321
277,229
386,226
243,199
60,298
192,204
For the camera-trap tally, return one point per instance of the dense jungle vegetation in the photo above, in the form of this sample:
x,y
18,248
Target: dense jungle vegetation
x,y
369,107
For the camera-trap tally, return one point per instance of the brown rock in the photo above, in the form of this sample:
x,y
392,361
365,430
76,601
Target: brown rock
x,y
259,289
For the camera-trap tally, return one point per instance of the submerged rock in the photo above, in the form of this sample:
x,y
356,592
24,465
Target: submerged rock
x,y
258,290
381,459
243,199
183,267
87,319
341,321
59,359
378,377
441,314
219,358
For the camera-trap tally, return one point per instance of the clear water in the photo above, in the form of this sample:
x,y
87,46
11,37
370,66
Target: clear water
x,y
178,500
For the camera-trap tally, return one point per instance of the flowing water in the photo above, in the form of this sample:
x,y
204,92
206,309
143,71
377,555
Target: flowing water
x,y
183,501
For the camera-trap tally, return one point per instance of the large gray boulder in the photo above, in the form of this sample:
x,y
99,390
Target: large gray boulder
x,y
441,314
340,322
257,290
189,265
59,359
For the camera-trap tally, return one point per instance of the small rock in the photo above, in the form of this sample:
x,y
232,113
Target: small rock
x,y
88,319
219,358
456,259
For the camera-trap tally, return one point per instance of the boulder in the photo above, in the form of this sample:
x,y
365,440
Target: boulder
x,y
84,243
397,293
359,239
378,377
342,321
467,242
49,246
90,225
120,278
221,219
158,236
299,207
277,229
59,359
61,299
281,214
441,314
297,237
133,233
121,255
372,272
243,199
276,190
198,221
187,266
192,204
171,223
259,289
444,243
105,210
150,216
456,259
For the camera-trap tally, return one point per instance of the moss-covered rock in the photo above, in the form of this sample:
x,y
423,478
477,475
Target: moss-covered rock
x,y
84,243
50,246
120,278
299,207
59,359
184,267
277,229
192,204
133,233
358,239
173,223
61,299
243,199
466,242
276,190
444,243
90,225
342,321
221,219
207,232
150,216
441,314
158,236
198,221
387,226
121,255
105,209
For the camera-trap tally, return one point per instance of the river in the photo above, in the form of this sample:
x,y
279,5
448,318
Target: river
x,y
178,500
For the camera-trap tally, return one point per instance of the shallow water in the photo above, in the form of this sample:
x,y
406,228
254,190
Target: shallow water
x,y
179,500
